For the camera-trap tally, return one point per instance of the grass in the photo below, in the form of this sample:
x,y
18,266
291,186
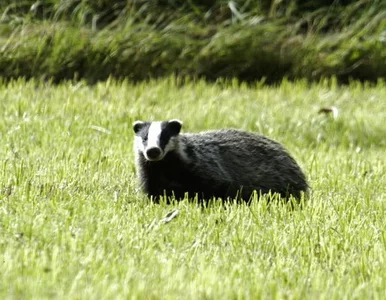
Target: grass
x,y
81,39
73,224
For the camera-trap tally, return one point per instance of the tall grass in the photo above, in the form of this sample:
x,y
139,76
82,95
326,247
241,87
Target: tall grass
x,y
140,40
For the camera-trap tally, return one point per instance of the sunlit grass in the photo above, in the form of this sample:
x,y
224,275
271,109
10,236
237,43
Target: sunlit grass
x,y
73,224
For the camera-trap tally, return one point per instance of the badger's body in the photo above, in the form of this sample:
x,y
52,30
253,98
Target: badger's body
x,y
224,163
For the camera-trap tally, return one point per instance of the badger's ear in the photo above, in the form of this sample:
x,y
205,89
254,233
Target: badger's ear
x,y
138,125
175,126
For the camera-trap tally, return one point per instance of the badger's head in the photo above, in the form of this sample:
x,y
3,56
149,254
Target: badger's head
x,y
156,139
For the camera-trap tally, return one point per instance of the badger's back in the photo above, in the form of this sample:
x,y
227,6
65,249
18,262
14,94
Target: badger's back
x,y
223,163
248,161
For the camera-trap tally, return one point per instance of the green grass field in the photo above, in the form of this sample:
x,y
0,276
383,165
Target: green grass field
x,y
74,226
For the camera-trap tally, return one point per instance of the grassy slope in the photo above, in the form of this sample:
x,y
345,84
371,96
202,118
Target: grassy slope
x,y
92,40
72,224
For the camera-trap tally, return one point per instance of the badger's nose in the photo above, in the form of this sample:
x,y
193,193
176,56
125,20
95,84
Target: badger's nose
x,y
153,153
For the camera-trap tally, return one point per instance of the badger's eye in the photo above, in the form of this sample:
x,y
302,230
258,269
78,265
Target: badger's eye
x,y
144,139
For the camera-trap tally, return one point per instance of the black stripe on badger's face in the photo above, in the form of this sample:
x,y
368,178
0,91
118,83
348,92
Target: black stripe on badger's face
x,y
155,139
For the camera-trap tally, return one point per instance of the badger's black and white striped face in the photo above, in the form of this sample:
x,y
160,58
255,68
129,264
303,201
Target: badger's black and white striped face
x,y
156,139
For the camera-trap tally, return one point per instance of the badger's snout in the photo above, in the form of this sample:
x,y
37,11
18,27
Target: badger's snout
x,y
154,153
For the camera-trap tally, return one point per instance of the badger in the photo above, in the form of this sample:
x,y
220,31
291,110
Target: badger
x,y
227,163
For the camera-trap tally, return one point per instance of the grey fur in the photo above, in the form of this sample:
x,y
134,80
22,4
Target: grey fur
x,y
222,163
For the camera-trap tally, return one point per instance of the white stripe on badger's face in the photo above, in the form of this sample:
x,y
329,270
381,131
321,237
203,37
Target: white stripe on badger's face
x,y
153,142
154,135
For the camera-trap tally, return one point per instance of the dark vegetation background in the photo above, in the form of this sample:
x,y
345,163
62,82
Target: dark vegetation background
x,y
138,39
